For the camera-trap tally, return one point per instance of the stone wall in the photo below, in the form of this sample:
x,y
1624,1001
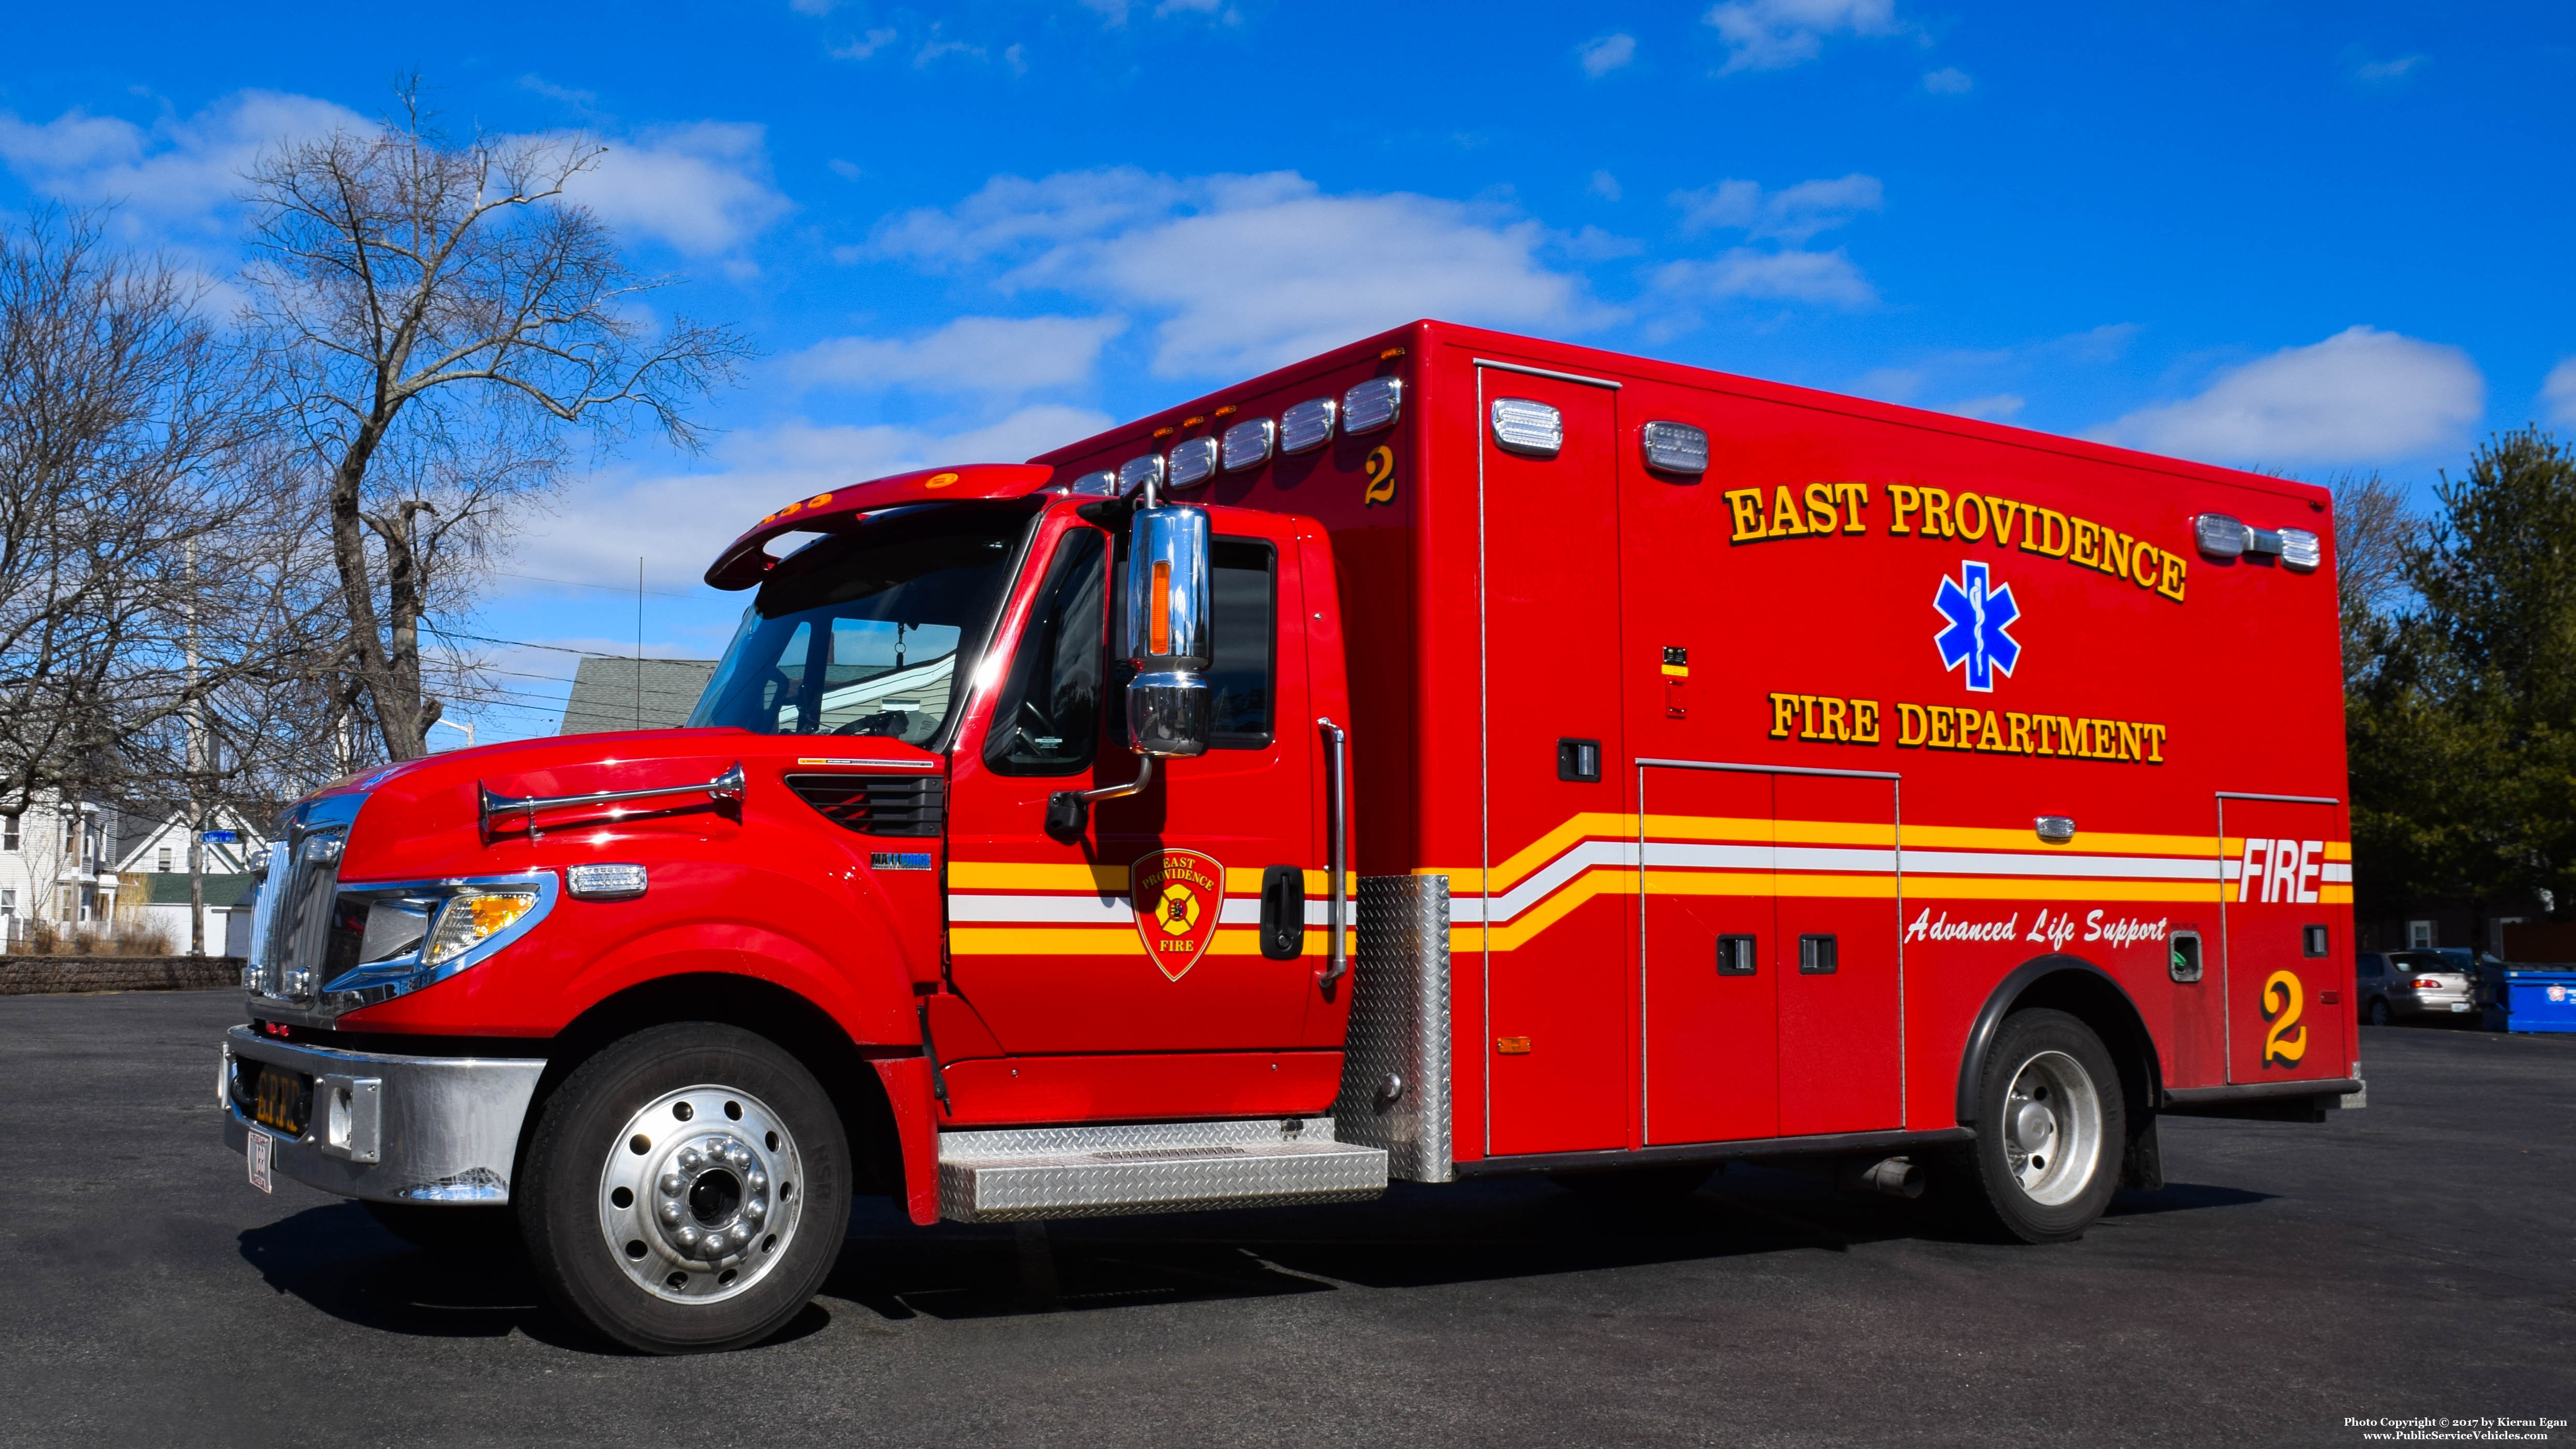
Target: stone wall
x,y
33,975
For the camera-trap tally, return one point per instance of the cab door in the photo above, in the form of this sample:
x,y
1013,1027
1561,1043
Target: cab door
x,y
2282,906
1046,939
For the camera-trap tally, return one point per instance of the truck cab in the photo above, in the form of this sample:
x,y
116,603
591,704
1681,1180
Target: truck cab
x,y
891,880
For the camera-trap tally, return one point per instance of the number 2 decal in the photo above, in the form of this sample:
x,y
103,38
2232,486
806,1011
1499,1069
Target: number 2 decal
x,y
1381,477
2287,1041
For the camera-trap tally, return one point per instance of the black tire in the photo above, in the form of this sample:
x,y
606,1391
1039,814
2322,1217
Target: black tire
x,y
2013,1181
789,1177
1653,1183
2379,1014
475,1231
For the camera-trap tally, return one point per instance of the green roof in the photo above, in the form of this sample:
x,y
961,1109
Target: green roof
x,y
170,888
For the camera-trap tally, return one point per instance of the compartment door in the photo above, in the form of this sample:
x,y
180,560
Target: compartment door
x,y
2282,906
1560,880
1711,979
1841,986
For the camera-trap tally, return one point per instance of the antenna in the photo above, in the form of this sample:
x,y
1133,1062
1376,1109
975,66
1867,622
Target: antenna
x,y
639,641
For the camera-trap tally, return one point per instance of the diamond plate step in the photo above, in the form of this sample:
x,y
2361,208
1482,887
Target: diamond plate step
x,y
1026,1174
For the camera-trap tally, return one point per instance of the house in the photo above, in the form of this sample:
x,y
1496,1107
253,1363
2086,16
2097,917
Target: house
x,y
608,694
158,902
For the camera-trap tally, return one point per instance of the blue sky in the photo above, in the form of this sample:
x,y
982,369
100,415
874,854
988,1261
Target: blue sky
x,y
2303,237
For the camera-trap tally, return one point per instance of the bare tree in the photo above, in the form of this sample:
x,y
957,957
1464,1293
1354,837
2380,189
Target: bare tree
x,y
122,423
2374,532
439,316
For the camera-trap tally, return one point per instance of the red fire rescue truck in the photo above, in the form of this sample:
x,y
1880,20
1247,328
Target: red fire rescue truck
x,y
1458,754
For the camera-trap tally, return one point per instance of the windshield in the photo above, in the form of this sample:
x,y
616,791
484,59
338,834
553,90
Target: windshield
x,y
2422,961
858,634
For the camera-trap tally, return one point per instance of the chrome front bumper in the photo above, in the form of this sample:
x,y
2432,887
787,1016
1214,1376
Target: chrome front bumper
x,y
391,1128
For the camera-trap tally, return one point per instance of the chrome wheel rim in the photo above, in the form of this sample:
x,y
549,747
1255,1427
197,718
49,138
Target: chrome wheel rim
x,y
2052,1128
701,1194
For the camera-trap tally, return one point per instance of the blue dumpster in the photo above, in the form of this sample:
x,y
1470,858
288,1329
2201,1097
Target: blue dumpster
x,y
2540,1000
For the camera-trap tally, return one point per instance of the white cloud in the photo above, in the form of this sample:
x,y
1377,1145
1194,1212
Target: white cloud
x,y
2360,396
1605,186
703,188
2385,72
1607,53
1248,272
1793,276
173,170
1772,34
933,48
2558,392
2001,407
1007,355
1949,80
604,523
863,47
1792,214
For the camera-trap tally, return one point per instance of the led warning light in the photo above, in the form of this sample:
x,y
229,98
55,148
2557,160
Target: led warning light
x,y
2299,550
1307,426
1528,427
1675,448
1158,627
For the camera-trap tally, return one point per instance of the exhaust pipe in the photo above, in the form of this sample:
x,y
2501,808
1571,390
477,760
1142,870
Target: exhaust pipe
x,y
1895,1176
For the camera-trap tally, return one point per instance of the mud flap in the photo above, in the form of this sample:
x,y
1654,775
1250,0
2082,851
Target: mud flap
x,y
908,1092
2142,1165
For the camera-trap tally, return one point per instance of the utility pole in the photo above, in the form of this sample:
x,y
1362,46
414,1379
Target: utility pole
x,y
196,728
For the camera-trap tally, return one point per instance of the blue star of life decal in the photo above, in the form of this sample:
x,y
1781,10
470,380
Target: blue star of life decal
x,y
1979,612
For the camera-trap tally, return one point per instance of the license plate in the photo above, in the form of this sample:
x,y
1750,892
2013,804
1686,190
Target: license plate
x,y
2459,1006
281,1100
261,1145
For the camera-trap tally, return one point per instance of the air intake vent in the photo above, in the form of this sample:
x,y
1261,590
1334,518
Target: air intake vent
x,y
877,804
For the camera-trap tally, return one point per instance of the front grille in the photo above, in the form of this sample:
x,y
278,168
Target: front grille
x,y
300,923
877,804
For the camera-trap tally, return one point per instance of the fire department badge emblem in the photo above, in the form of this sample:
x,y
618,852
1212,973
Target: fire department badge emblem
x,y
1178,895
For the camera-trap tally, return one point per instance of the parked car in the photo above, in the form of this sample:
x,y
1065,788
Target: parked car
x,y
2391,984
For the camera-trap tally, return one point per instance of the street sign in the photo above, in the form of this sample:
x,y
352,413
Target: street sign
x,y
220,837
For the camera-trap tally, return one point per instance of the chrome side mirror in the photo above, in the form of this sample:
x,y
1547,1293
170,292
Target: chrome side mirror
x,y
1168,566
1166,607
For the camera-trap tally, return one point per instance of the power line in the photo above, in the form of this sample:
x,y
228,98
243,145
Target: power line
x,y
579,584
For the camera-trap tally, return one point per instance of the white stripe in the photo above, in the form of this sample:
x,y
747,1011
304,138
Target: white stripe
x,y
2338,874
1093,911
2124,867
1467,908
1070,910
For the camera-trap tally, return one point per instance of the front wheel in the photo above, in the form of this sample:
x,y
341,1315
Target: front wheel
x,y
2051,1125
686,1190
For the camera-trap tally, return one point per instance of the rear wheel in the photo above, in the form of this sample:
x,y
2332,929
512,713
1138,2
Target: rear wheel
x,y
2050,1124
2379,1014
686,1190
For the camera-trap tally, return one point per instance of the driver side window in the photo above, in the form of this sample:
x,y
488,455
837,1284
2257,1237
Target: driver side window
x,y
1047,721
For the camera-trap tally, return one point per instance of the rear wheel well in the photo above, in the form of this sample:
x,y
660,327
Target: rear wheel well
x,y
803,1029
2082,990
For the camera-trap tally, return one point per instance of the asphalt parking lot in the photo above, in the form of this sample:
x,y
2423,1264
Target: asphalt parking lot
x,y
2411,1259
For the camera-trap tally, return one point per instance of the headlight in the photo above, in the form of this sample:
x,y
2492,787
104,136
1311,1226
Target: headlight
x,y
473,918
390,939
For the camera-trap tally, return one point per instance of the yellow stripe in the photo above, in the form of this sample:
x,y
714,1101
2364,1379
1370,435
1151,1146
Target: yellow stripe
x,y
1012,875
